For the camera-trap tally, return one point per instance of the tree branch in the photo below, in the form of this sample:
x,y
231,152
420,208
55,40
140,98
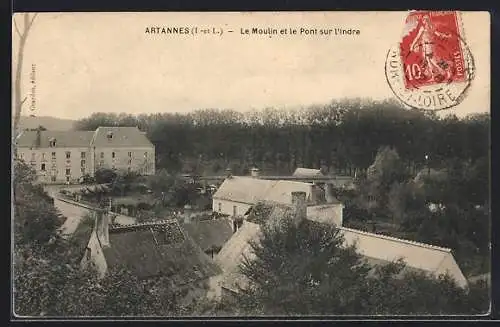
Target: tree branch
x,y
31,22
17,28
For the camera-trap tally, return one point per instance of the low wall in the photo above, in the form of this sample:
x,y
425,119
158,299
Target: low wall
x,y
79,204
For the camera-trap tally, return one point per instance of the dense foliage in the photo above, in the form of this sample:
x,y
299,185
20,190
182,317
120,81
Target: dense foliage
x,y
342,135
442,199
306,270
48,280
447,206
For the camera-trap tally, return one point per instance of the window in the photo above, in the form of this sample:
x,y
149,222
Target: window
x,y
145,154
68,171
113,154
68,154
52,143
102,155
82,170
67,179
109,136
101,163
129,170
53,155
220,207
82,163
43,167
235,210
130,154
43,156
53,178
33,156
22,155
129,162
82,155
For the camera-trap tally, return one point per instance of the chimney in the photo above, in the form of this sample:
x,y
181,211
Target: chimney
x,y
317,194
102,227
38,138
255,172
300,205
330,198
187,214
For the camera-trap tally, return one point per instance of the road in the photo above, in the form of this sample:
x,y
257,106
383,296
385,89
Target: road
x,y
75,213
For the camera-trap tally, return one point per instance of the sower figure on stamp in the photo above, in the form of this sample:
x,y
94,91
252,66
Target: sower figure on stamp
x,y
425,38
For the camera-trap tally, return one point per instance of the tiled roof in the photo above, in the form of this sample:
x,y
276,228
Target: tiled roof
x,y
121,136
208,233
307,172
158,249
63,139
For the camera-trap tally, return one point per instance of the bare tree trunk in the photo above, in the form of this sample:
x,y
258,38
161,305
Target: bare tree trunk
x,y
18,103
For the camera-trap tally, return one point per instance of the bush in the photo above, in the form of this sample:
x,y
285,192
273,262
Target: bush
x,y
104,176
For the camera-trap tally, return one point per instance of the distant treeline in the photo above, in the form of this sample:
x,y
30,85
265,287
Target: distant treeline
x,y
343,136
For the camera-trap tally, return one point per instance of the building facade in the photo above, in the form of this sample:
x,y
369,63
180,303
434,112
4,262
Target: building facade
x,y
66,156
238,194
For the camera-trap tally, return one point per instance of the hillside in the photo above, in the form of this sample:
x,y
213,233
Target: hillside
x,y
50,123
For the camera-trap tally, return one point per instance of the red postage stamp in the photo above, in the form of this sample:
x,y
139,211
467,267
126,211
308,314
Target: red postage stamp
x,y
431,67
431,50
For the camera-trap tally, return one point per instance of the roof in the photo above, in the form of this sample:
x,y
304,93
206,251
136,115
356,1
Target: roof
x,y
377,249
63,139
251,190
122,136
281,191
243,189
307,172
262,212
430,258
208,233
233,253
158,249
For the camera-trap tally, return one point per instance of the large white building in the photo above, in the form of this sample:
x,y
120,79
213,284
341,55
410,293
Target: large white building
x,y
66,156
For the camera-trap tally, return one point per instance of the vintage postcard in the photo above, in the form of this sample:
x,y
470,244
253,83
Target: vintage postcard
x,y
236,164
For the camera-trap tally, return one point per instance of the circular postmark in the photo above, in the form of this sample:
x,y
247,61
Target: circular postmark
x,y
430,76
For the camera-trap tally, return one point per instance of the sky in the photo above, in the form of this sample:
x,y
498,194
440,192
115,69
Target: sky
x,y
106,62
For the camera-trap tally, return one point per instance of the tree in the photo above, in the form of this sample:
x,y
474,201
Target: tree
x,y
306,270
56,286
386,170
302,270
105,176
35,218
18,102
